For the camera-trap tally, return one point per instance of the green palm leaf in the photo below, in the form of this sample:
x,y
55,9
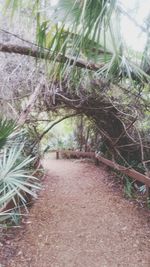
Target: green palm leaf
x,y
6,128
15,179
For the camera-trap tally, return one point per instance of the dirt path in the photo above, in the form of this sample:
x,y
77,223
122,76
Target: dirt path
x,y
80,222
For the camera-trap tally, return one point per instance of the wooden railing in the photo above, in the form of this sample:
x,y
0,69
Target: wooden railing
x,y
98,158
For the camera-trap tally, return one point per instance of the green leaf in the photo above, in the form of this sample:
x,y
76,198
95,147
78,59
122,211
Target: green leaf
x,y
6,128
14,177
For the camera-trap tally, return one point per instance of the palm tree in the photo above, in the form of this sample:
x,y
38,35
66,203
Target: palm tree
x,y
6,128
15,178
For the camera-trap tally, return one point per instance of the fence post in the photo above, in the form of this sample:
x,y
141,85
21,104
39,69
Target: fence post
x,y
147,192
57,154
96,161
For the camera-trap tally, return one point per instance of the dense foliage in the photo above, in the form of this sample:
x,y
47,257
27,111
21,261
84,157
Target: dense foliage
x,y
16,180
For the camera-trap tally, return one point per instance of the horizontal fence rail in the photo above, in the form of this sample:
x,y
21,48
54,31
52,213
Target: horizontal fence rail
x,y
128,171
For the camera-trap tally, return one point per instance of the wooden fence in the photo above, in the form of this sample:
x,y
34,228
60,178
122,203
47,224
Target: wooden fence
x,y
128,171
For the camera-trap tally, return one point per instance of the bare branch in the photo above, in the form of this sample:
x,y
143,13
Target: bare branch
x,y
46,54
125,130
27,109
50,127
56,122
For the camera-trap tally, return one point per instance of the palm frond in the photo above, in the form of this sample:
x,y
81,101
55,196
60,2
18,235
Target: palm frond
x,y
15,179
85,30
6,129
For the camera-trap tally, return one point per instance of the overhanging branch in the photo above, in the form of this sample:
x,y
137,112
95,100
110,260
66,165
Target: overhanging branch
x,y
51,126
46,54
56,122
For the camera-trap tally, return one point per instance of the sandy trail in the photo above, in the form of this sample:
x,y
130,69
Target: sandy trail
x,y
79,221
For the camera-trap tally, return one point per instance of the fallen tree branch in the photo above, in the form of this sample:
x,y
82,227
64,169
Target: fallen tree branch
x,y
46,54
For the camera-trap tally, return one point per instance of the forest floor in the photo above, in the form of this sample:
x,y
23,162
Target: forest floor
x,y
79,220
